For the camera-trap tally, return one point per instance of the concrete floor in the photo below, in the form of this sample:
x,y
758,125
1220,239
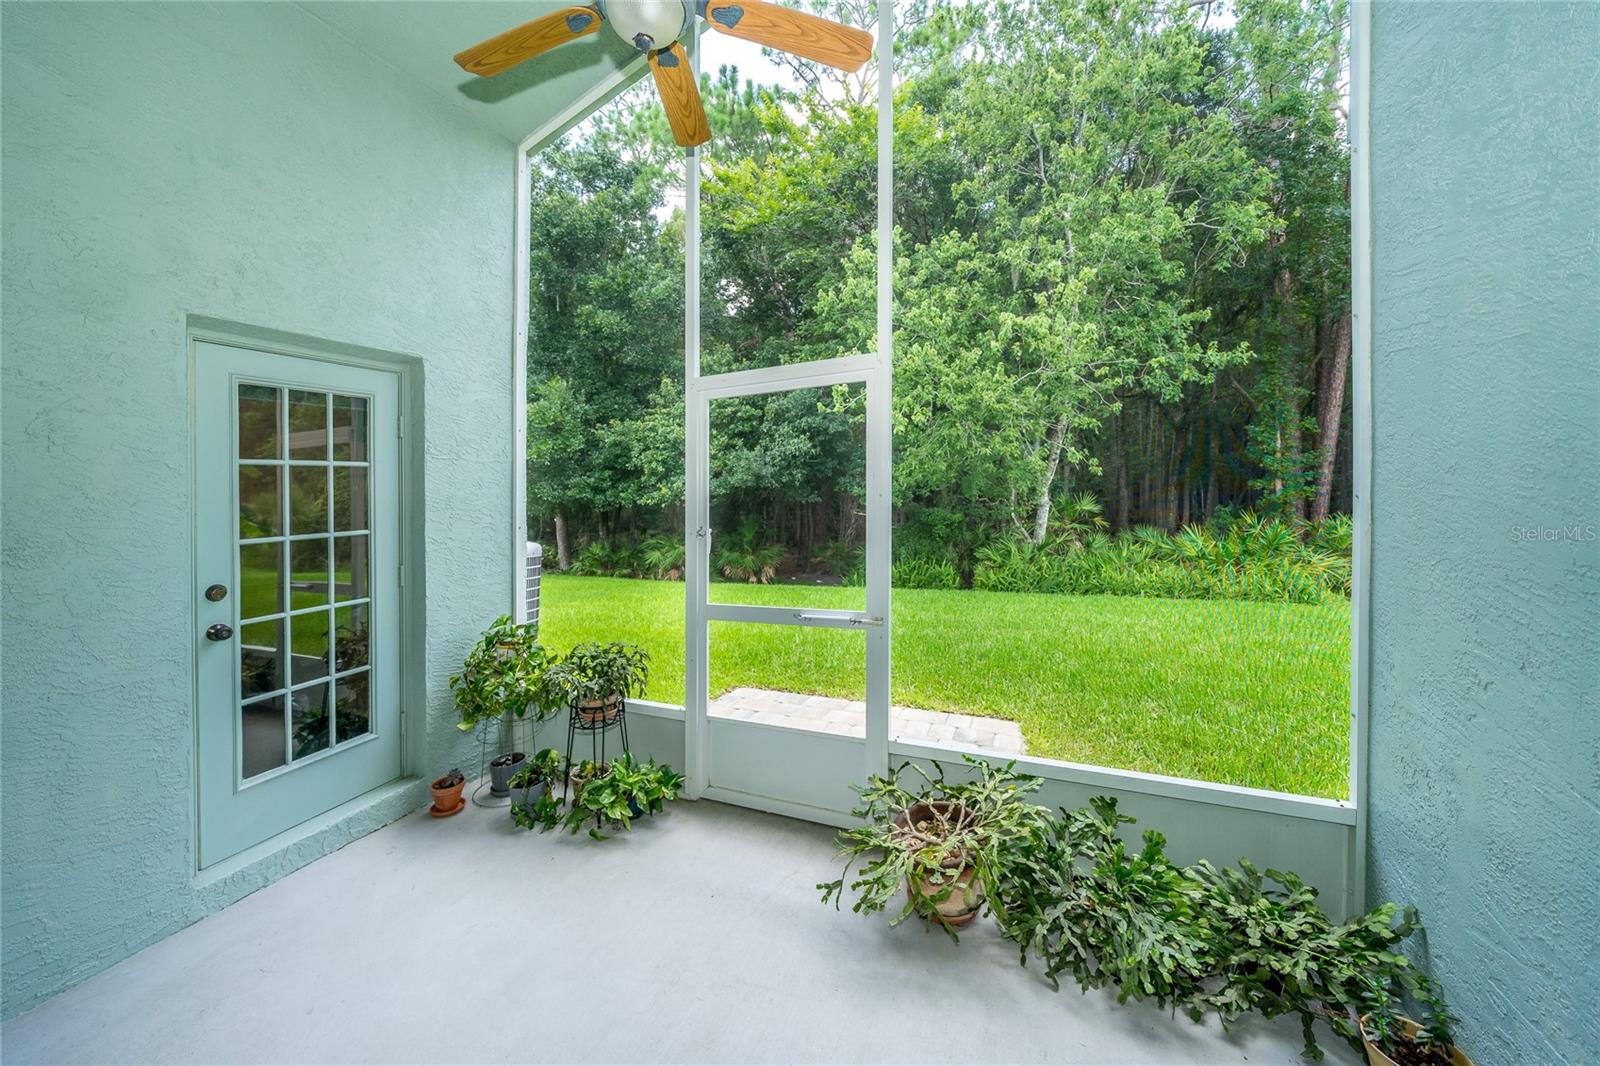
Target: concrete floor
x,y
697,938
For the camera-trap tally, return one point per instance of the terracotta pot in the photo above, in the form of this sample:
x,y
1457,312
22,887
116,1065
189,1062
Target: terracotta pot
x,y
502,768
600,711
1376,1056
447,801
966,899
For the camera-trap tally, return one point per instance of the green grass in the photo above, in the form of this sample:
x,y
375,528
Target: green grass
x,y
1253,694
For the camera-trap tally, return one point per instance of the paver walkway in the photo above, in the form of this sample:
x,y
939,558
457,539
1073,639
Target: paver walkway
x,y
825,714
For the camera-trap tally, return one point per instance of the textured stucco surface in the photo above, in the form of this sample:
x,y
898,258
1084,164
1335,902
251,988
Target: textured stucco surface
x,y
244,163
1485,723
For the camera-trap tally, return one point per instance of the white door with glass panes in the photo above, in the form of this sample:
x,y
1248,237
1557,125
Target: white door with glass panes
x,y
296,592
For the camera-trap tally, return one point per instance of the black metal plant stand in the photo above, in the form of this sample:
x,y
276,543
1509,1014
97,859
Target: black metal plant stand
x,y
598,729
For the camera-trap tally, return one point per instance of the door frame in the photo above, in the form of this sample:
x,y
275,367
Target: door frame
x,y
874,371
411,539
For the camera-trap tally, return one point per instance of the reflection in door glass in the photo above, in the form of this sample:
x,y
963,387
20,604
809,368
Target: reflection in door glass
x,y
290,578
308,499
260,579
352,719
260,658
349,497
310,720
351,638
350,428
261,725
308,565
259,501
308,634
308,425
259,422
350,567
788,494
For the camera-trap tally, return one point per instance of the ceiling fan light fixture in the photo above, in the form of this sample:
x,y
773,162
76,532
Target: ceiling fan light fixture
x,y
648,25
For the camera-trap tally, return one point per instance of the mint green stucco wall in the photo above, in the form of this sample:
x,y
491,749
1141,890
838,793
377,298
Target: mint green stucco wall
x,y
1485,712
241,162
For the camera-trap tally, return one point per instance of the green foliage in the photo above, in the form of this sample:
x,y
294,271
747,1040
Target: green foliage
x,y
1242,557
533,800
616,793
744,556
986,822
923,573
593,671
662,556
1121,245
504,674
1207,940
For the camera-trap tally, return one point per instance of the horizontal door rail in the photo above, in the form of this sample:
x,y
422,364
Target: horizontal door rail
x,y
790,616
786,378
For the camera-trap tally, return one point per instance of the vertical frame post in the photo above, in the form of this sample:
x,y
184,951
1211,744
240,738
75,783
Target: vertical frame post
x,y
879,428
1361,427
696,487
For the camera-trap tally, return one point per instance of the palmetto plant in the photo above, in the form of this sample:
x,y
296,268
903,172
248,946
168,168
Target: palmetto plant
x,y
662,557
743,556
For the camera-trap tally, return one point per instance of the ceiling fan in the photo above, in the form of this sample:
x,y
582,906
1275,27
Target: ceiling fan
x,y
654,28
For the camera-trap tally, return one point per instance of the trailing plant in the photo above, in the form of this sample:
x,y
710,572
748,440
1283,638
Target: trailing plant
x,y
597,672
504,674
546,767
988,821
1083,904
744,556
1203,939
616,793
1276,952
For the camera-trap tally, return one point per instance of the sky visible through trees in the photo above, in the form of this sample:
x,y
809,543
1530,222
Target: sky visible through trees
x,y
1121,284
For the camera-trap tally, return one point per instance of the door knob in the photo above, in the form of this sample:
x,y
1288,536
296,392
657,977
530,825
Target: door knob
x,y
218,631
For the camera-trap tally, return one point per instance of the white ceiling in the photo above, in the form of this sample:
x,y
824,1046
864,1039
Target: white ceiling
x,y
418,37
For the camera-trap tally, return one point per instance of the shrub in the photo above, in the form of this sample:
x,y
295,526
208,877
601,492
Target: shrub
x,y
662,557
743,556
609,558
917,573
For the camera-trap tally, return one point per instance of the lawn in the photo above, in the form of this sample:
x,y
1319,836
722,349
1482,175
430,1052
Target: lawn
x,y
1253,694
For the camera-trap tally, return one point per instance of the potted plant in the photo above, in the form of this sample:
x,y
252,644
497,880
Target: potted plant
x,y
1392,1039
532,789
946,844
447,795
596,678
618,792
502,678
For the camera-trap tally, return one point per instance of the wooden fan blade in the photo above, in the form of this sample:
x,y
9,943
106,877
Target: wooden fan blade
x,y
528,40
806,36
680,96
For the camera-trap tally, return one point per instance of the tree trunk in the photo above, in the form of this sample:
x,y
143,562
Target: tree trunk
x,y
563,549
1330,413
1041,509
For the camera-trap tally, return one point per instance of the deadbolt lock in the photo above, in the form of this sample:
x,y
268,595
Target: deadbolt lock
x,y
216,593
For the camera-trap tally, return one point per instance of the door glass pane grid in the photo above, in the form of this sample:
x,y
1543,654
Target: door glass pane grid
x,y
309,653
